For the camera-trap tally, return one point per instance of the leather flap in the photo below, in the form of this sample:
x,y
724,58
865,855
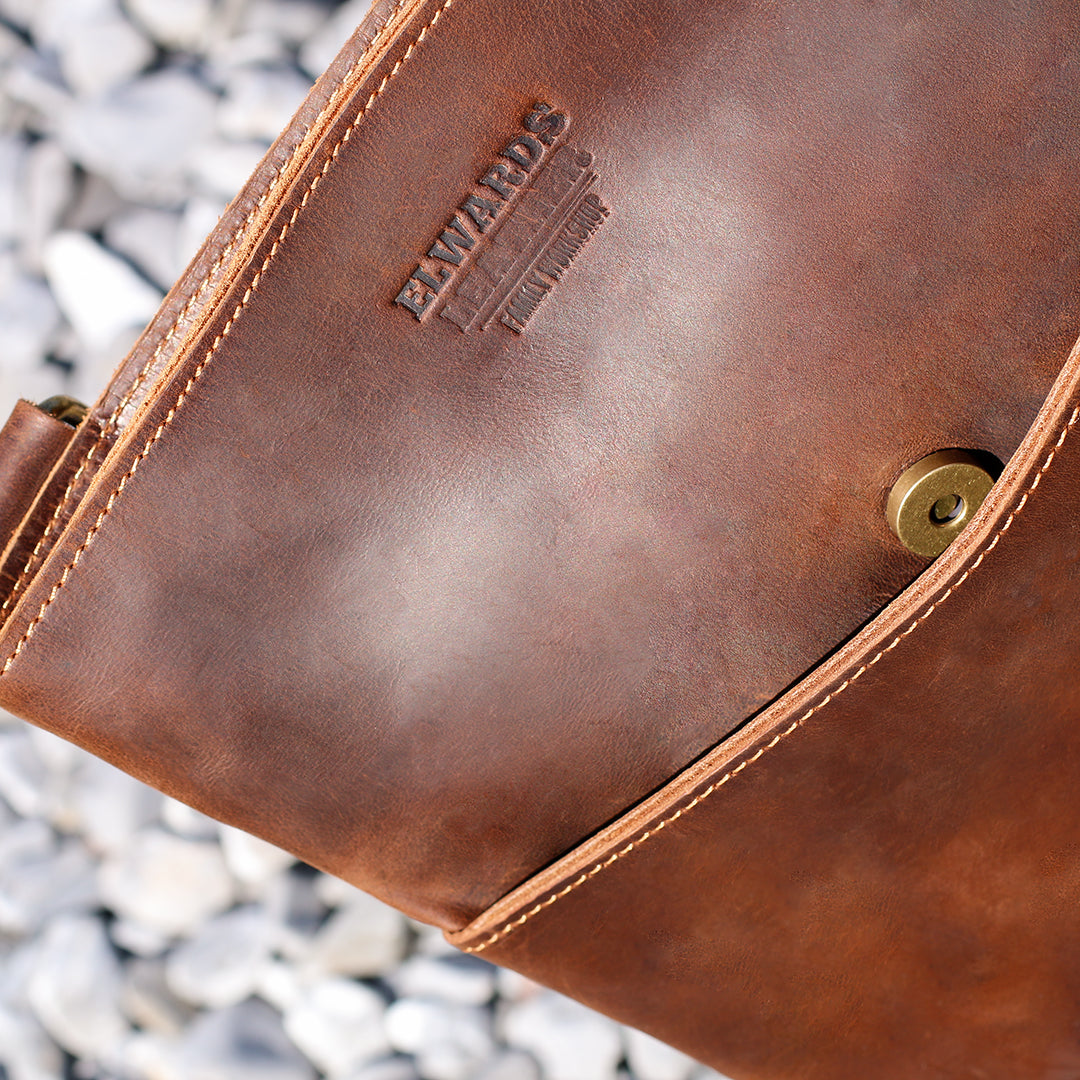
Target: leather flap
x,y
532,427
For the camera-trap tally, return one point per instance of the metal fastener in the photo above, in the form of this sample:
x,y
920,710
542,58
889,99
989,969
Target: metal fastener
x,y
937,496
65,408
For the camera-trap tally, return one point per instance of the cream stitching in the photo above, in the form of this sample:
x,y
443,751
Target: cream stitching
x,y
109,427
197,373
226,252
513,925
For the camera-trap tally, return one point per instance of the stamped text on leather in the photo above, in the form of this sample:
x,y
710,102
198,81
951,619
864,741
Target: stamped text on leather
x,y
541,192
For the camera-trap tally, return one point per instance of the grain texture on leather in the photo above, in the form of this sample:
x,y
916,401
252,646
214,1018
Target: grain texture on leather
x,y
879,877
429,606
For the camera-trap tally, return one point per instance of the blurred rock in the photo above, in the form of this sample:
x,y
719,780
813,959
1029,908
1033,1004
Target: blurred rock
x,y
143,135
281,984
18,962
245,1042
59,878
259,102
396,1068
149,239
23,841
430,940
147,1000
186,821
108,807
11,43
289,21
102,53
99,293
30,322
48,191
149,1056
138,939
95,367
510,1065
338,1025
20,12
651,1059
13,154
26,1051
220,169
334,891
75,988
24,781
167,883
253,862
96,203
197,221
35,82
461,979
515,987
219,966
14,116
255,49
296,911
450,1042
49,19
59,756
97,46
175,24
569,1041
319,51
363,938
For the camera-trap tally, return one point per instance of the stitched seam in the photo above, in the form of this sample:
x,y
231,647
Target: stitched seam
x,y
226,253
597,868
240,307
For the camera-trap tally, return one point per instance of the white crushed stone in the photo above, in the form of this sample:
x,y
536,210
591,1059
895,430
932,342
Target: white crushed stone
x,y
363,938
338,1024
97,47
100,294
48,188
26,1051
319,50
219,965
260,101
449,1042
184,25
75,988
150,239
166,883
653,1060
253,862
20,12
463,980
569,1041
142,136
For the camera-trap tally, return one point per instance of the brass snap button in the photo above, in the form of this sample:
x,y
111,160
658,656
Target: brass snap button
x,y
937,496
65,408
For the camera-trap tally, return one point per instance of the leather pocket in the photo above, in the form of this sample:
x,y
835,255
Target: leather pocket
x,y
879,875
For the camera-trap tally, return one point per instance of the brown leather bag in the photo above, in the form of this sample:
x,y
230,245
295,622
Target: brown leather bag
x,y
495,516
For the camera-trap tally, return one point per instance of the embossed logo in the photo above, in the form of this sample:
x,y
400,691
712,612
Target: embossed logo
x,y
513,238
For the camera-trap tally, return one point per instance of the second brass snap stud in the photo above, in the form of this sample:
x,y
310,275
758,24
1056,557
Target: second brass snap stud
x,y
934,499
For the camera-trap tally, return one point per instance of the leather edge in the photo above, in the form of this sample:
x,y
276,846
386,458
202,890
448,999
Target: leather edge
x,y
143,375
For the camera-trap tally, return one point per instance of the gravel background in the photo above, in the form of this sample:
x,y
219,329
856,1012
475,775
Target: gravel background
x,y
139,939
